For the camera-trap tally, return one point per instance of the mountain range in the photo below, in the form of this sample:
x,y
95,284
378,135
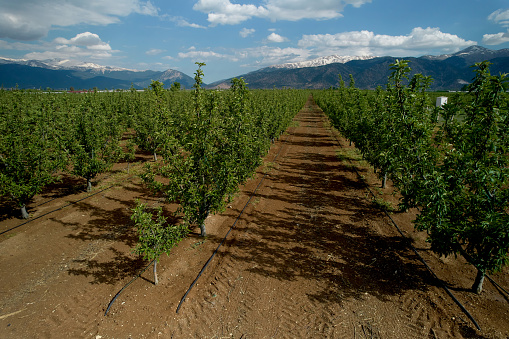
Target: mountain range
x,y
63,74
449,72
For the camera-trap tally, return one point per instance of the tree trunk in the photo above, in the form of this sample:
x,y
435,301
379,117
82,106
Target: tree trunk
x,y
384,180
156,281
202,229
202,225
155,156
89,185
479,279
24,213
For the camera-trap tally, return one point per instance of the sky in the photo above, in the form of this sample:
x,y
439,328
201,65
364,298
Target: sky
x,y
236,37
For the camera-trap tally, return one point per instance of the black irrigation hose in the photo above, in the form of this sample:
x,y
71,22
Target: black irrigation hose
x,y
227,233
497,285
58,209
61,207
125,286
419,256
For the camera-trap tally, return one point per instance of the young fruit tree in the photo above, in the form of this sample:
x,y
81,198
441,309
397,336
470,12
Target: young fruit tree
x,y
29,151
156,235
151,123
466,197
94,139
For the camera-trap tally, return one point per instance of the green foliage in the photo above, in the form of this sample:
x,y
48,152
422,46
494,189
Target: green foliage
x,y
30,152
452,162
151,123
465,208
215,144
155,235
210,142
93,141
157,87
175,87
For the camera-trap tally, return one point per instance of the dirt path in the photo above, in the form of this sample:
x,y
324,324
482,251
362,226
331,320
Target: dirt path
x,y
310,257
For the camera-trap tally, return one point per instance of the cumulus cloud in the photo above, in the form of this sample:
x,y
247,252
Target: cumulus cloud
x,y
245,32
500,17
86,39
223,12
83,45
368,43
273,37
32,19
495,39
267,56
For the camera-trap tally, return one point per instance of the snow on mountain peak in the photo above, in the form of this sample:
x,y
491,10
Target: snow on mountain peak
x,y
64,64
331,59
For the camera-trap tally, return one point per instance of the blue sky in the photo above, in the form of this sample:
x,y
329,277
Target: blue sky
x,y
236,37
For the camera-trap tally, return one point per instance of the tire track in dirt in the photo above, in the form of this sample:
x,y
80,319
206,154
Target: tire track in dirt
x,y
312,256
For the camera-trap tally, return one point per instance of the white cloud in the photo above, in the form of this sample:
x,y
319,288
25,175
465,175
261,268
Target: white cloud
x,y
83,46
223,12
273,37
19,46
33,19
368,43
202,55
267,56
500,16
245,32
495,39
304,9
86,39
154,51
181,22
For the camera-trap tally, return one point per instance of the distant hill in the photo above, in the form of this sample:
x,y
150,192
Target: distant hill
x,y
449,72
63,74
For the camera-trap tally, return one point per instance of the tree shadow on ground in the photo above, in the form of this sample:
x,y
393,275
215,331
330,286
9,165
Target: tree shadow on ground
x,y
110,272
322,231
109,225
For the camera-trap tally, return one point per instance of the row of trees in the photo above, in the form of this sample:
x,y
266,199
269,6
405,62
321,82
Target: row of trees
x,y
207,150
45,134
450,162
204,143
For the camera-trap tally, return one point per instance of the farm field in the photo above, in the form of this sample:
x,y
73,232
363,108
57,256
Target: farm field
x,y
311,256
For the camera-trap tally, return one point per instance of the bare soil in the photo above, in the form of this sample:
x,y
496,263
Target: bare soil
x,y
311,256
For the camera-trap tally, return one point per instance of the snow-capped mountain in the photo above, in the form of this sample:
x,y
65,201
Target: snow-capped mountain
x,y
64,64
471,55
331,59
62,74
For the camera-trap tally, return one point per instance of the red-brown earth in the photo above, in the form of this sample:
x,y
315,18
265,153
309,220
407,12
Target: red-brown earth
x,y
311,256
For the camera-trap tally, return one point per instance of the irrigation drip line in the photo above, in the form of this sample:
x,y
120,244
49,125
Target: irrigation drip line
x,y
125,286
61,207
418,255
50,200
497,285
227,233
